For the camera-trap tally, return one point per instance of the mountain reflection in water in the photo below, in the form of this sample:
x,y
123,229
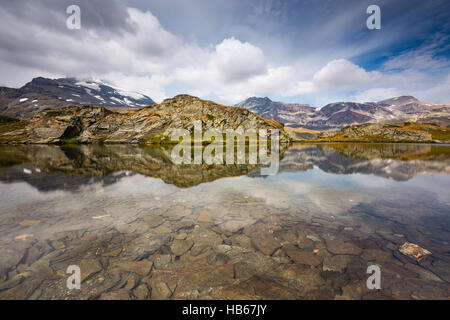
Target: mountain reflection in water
x,y
93,163
141,227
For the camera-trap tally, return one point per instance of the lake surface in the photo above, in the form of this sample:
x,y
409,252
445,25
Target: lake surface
x,y
141,227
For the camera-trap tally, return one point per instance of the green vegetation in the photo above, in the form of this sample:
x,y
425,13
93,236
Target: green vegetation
x,y
55,113
440,134
7,129
158,138
6,119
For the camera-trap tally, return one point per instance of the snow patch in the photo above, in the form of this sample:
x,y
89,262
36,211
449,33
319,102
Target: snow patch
x,y
23,99
117,100
91,85
99,98
131,94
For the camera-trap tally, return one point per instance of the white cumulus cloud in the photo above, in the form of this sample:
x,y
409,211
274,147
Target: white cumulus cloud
x,y
343,73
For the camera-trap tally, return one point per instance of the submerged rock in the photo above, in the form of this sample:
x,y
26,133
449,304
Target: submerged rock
x,y
89,267
335,263
414,251
341,247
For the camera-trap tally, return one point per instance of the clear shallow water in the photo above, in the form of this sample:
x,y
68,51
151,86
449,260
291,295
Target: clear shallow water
x,y
141,227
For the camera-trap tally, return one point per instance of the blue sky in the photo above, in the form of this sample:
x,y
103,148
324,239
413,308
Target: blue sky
x,y
306,51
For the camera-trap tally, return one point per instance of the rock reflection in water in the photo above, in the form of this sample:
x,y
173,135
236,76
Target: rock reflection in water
x,y
141,227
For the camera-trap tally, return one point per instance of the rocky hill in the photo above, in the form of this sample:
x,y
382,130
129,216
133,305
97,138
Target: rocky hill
x,y
153,124
340,114
42,93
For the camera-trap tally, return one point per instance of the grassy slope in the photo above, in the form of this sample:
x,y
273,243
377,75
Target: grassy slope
x,y
9,124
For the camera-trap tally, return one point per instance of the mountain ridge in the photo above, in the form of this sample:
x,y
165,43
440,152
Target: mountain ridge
x,y
337,115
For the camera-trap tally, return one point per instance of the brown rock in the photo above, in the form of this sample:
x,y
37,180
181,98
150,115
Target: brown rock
x,y
184,281
160,290
303,256
142,268
335,263
414,251
116,295
89,236
265,243
204,216
341,247
141,292
89,267
179,247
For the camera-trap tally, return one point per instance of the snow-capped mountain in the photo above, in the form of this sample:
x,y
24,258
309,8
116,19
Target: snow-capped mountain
x,y
341,114
42,93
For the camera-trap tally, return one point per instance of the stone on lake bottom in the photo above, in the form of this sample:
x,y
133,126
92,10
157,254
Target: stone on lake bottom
x,y
414,251
89,267
179,247
335,263
141,268
341,247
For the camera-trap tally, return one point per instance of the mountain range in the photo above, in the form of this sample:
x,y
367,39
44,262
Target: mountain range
x,y
42,93
341,114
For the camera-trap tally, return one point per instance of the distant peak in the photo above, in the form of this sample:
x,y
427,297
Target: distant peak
x,y
405,98
256,100
261,98
40,79
400,99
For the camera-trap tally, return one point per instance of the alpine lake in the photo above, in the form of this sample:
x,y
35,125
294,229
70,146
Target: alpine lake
x,y
139,226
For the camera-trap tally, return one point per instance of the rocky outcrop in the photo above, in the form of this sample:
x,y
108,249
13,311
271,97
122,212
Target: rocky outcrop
x,y
370,132
153,124
382,132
